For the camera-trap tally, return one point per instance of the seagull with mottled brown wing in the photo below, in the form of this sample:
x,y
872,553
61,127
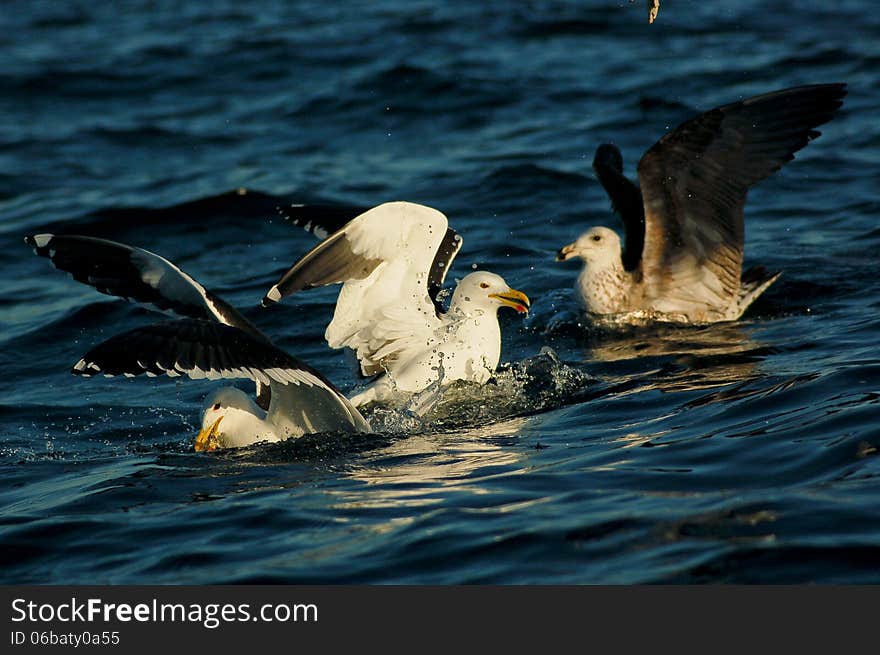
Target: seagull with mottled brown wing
x,y
683,254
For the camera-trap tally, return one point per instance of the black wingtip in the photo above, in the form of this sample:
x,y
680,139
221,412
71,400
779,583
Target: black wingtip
x,y
608,155
837,92
31,240
842,91
40,243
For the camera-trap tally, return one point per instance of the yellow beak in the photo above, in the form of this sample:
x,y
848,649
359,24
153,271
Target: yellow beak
x,y
209,438
513,298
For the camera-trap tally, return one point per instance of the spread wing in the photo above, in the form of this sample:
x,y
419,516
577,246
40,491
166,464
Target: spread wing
x,y
143,277
302,398
137,275
386,259
694,182
324,220
626,200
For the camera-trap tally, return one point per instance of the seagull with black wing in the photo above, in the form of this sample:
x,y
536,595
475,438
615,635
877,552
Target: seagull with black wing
x,y
212,341
682,258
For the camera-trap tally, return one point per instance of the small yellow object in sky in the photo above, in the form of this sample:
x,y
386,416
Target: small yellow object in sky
x,y
653,9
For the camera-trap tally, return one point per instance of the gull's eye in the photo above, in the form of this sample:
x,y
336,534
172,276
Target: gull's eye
x,y
484,285
216,406
596,237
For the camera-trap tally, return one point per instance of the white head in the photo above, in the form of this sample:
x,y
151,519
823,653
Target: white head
x,y
487,291
598,247
230,419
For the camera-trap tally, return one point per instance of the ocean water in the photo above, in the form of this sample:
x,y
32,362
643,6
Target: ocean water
x,y
743,452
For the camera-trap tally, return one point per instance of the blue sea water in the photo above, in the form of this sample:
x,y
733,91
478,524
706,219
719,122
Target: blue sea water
x,y
743,452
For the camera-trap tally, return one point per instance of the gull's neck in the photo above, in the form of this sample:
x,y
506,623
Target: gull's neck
x,y
604,288
244,427
461,307
474,328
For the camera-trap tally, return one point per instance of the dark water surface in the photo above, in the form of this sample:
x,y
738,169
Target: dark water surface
x,y
744,452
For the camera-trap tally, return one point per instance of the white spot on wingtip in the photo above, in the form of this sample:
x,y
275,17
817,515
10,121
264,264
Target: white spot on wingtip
x,y
80,365
42,239
274,294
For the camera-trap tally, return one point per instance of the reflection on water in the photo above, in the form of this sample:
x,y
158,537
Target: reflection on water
x,y
414,471
717,339
697,358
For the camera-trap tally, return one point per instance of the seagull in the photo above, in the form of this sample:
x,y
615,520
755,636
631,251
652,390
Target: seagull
x,y
213,340
682,258
392,261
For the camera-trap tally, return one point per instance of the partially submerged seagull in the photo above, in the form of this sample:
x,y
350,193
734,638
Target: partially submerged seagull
x,y
682,259
391,261
214,341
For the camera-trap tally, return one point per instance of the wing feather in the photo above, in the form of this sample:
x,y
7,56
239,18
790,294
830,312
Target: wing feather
x,y
141,276
694,182
626,200
301,396
320,220
137,275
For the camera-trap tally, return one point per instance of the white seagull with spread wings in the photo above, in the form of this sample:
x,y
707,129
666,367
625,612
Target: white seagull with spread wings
x,y
682,260
391,261
214,341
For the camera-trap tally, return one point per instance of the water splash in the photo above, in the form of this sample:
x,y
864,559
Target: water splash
x,y
533,385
